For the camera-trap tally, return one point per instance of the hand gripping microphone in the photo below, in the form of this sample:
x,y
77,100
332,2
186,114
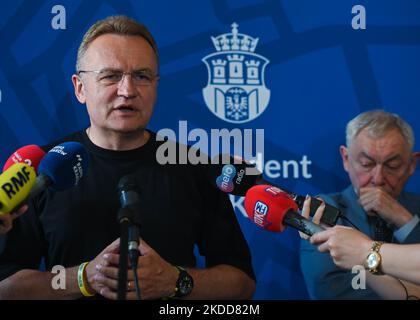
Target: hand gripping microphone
x,y
15,185
236,176
272,209
61,168
31,155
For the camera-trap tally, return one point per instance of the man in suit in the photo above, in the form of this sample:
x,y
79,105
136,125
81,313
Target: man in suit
x,y
379,159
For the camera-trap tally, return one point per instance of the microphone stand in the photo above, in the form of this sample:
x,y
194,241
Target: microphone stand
x,y
129,220
134,253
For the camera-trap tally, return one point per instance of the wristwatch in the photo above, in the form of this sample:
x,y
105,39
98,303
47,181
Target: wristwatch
x,y
184,284
374,258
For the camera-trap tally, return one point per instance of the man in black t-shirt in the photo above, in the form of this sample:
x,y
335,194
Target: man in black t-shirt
x,y
117,78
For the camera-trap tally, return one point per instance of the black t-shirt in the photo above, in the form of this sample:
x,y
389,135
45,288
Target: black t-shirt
x,y
179,208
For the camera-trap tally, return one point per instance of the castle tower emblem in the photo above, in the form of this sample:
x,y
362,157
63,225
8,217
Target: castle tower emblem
x,y
236,91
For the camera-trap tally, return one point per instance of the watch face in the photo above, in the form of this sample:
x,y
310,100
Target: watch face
x,y
373,260
185,284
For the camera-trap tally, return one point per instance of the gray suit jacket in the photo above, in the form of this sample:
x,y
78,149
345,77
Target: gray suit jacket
x,y
326,281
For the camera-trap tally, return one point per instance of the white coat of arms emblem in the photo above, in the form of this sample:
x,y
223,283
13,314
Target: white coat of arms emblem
x,y
236,91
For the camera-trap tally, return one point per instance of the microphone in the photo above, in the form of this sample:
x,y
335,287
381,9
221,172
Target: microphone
x,y
236,176
130,202
272,209
31,155
15,185
130,233
61,168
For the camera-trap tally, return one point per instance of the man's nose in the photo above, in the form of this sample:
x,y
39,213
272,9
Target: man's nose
x,y
126,87
378,178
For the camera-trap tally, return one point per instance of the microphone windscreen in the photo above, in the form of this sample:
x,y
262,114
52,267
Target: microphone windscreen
x,y
65,165
15,185
129,191
127,182
31,155
267,205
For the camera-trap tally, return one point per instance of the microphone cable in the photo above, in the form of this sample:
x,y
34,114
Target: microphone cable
x,y
134,253
136,277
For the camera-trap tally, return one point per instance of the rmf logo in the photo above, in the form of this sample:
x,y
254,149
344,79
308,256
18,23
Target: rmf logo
x,y
260,212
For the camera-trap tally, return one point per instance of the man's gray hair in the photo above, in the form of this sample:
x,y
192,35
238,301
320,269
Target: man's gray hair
x,y
120,25
377,123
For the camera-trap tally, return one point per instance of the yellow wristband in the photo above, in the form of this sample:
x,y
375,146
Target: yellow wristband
x,y
81,280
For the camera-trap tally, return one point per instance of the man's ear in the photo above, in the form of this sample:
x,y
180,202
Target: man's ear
x,y
79,88
414,158
345,157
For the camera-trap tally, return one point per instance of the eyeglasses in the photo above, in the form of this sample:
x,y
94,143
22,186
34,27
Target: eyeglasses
x,y
109,77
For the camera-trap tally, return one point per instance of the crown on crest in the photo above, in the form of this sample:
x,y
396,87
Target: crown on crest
x,y
235,41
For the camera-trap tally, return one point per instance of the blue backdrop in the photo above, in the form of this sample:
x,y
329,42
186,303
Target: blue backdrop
x,y
321,72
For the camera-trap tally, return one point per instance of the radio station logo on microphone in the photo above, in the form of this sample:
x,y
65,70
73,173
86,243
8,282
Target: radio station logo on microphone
x,y
236,91
17,181
225,180
78,169
17,158
273,190
260,214
59,149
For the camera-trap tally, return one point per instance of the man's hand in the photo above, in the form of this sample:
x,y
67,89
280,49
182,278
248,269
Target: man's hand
x,y
157,278
6,219
347,246
377,200
93,269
